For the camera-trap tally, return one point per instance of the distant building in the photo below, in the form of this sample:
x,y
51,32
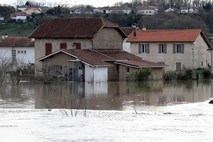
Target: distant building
x,y
121,9
170,10
1,18
81,10
187,10
19,16
18,50
30,8
147,10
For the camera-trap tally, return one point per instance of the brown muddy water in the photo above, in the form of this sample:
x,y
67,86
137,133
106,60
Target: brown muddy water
x,y
103,96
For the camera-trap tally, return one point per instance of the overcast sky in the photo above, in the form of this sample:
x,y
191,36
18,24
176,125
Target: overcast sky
x,y
96,3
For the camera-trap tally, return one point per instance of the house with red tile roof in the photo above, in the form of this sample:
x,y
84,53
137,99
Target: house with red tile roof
x,y
18,50
177,49
91,65
84,47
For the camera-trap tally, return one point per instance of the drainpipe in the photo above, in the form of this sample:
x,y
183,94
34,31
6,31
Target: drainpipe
x,y
193,58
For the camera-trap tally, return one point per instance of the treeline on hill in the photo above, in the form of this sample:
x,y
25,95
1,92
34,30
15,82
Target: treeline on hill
x,y
202,19
6,11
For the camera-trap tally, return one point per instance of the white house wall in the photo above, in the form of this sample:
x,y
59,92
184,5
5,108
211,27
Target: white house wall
x,y
126,45
21,56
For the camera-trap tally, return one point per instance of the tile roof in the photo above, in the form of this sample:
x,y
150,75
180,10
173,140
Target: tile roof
x,y
119,55
89,56
140,64
73,28
187,35
102,57
16,42
127,30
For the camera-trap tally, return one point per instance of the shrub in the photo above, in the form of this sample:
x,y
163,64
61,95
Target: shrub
x,y
140,75
203,72
206,74
169,75
185,74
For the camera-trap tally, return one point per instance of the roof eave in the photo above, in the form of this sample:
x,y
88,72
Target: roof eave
x,y
54,53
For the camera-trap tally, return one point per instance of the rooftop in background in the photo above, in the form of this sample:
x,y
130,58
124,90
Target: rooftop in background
x,y
16,42
119,55
186,35
72,28
127,30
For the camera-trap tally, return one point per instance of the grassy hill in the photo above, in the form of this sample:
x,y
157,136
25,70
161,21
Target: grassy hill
x,y
17,29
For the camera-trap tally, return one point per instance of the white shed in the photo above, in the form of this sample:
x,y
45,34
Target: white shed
x,y
18,49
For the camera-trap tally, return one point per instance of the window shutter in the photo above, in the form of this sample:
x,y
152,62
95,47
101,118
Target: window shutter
x,y
147,48
63,45
174,46
48,48
165,51
159,50
182,48
139,48
78,45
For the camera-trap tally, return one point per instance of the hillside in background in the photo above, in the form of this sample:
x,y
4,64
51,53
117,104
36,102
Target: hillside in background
x,y
17,29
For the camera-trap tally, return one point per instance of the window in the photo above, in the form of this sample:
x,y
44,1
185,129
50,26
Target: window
x,y
162,63
48,48
144,48
178,48
13,56
117,69
63,45
21,51
162,48
127,69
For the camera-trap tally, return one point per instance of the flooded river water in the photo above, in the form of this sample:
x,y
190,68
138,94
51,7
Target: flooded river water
x,y
104,96
111,112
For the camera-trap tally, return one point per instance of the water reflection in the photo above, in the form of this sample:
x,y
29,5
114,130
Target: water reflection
x,y
108,96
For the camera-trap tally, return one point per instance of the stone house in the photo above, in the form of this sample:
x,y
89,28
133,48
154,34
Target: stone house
x,y
176,49
76,46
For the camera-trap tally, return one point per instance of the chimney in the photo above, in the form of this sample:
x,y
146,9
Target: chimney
x,y
135,31
3,36
144,28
